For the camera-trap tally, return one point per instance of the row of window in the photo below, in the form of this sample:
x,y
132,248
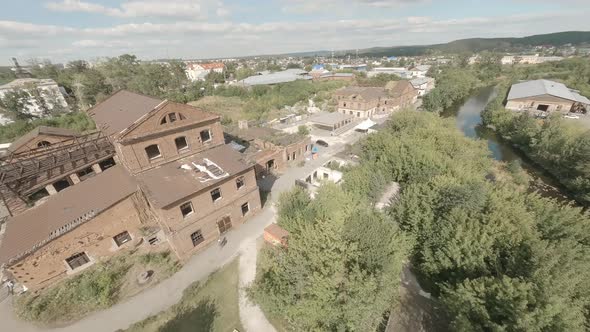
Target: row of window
x,y
223,226
187,208
153,151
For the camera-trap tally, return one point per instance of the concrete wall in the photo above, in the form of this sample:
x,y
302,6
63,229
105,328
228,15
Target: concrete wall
x,y
47,265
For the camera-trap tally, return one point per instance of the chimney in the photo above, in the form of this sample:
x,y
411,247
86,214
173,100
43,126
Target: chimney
x,y
243,124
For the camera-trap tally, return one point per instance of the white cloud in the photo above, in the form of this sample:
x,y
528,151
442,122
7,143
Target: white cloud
x,y
191,39
133,8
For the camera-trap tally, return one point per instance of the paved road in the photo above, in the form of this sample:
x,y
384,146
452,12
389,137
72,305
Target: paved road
x,y
169,291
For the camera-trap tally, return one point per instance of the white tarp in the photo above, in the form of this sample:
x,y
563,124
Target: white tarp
x,y
365,125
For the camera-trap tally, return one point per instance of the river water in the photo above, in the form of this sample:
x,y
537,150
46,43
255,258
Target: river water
x,y
468,119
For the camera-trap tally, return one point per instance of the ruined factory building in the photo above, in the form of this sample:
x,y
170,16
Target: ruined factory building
x,y
167,170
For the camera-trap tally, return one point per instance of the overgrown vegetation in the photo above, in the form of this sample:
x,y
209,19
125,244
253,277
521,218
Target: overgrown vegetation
x,y
500,259
208,306
78,121
497,257
560,147
341,269
97,288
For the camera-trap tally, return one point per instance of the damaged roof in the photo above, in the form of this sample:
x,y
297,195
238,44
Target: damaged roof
x,y
33,228
179,179
274,136
41,130
121,110
367,93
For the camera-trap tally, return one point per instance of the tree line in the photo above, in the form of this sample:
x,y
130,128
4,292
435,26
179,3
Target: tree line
x,y
497,257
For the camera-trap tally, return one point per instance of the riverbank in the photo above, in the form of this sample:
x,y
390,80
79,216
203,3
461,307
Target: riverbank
x,y
555,148
469,120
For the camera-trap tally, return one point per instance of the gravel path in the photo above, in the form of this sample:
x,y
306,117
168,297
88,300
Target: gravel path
x,y
252,317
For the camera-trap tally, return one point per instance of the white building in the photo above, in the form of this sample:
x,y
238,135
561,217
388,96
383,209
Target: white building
x,y
419,71
198,71
423,85
528,59
47,89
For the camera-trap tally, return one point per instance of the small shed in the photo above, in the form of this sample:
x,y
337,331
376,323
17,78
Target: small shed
x,y
276,235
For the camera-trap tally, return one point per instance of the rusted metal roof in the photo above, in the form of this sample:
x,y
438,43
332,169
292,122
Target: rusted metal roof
x,y
63,212
172,181
121,110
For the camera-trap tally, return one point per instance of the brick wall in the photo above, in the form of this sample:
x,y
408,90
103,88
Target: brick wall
x,y
47,265
134,156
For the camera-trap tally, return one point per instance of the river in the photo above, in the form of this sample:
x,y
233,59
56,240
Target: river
x,y
468,119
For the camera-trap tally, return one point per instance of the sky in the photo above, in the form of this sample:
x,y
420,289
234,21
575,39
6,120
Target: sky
x,y
65,30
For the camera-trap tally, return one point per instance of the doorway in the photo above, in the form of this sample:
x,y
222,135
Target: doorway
x,y
224,224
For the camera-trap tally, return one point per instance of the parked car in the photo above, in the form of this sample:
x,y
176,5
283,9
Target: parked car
x,y
571,116
322,143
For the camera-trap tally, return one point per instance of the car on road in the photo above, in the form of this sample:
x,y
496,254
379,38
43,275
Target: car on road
x,y
571,116
322,143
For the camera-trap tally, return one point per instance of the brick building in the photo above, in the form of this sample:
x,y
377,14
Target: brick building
x,y
365,102
171,180
271,150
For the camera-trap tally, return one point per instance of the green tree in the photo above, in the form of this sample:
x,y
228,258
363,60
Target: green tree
x,y
341,269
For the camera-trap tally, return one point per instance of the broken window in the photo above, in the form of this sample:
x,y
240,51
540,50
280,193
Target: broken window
x,y
186,209
197,238
245,208
215,194
107,163
224,224
153,151
61,184
43,144
163,121
122,238
77,260
172,117
39,194
240,182
205,135
85,173
181,143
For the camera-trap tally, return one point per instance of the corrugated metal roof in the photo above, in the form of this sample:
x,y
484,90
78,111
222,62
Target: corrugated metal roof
x,y
284,76
541,87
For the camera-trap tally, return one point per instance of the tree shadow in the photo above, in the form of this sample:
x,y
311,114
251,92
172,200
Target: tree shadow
x,y
193,319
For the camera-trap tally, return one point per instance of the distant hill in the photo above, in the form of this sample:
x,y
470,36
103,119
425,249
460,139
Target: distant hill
x,y
471,45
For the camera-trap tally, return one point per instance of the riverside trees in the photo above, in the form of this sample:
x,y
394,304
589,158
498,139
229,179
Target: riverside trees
x,y
498,258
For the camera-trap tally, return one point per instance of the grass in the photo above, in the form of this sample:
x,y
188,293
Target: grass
x,y
228,107
96,288
208,306
78,121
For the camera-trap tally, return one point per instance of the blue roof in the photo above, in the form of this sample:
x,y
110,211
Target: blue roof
x,y
392,58
317,67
